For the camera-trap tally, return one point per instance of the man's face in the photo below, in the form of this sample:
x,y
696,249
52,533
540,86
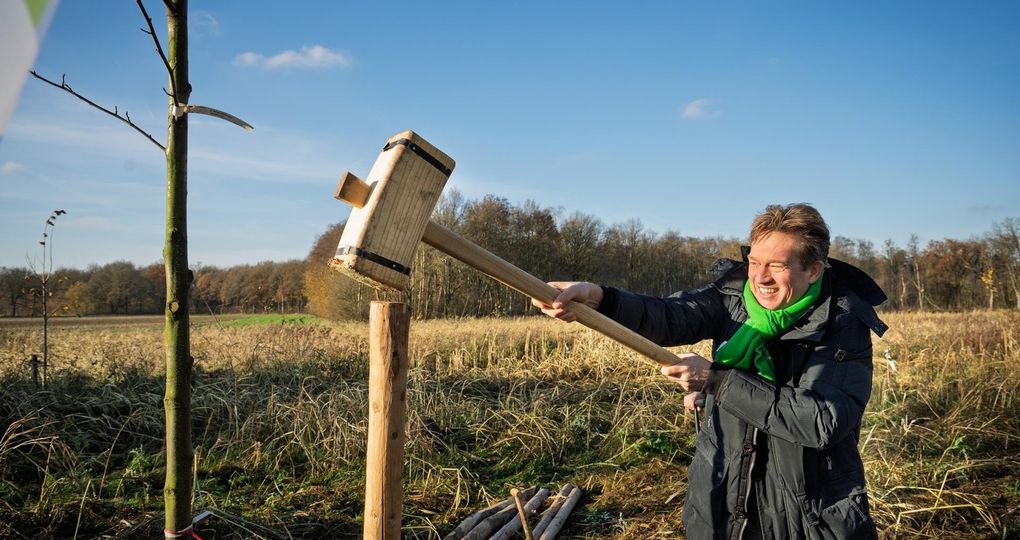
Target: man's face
x,y
777,277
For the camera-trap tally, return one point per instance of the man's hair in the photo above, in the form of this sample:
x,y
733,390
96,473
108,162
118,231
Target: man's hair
x,y
800,220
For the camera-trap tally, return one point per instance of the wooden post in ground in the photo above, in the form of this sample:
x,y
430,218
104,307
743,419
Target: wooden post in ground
x,y
387,392
34,362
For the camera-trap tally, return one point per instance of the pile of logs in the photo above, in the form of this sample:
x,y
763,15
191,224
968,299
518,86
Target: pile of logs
x,y
503,520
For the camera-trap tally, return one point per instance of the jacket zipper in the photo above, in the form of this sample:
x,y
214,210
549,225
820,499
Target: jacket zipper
x,y
750,484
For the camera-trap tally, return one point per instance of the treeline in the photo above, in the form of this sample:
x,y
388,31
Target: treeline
x,y
121,288
945,274
536,239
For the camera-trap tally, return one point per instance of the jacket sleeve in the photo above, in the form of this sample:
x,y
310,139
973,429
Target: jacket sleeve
x,y
681,319
826,404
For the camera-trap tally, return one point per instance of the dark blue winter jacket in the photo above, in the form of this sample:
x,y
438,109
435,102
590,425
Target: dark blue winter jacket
x,y
774,460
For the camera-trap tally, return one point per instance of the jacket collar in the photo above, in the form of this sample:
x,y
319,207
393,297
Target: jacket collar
x,y
811,327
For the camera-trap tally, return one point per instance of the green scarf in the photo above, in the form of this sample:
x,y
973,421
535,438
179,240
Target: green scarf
x,y
747,349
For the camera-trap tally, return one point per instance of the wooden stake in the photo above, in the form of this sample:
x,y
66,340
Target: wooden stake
x,y
493,523
553,510
387,392
514,525
472,520
561,517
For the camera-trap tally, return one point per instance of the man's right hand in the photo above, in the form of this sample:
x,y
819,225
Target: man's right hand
x,y
690,372
577,291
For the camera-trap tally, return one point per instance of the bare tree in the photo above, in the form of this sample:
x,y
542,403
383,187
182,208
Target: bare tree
x,y
914,255
1005,242
44,273
12,287
177,398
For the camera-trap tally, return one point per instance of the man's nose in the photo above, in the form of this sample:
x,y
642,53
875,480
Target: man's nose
x,y
763,273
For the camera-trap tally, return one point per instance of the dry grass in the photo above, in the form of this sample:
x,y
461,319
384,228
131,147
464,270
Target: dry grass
x,y
280,422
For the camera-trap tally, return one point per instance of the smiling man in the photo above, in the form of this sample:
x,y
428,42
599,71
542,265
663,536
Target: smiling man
x,y
776,453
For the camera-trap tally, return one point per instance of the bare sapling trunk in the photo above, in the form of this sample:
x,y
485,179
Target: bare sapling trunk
x,y
46,333
179,483
177,399
45,273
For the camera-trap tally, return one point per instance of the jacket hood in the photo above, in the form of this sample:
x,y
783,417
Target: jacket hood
x,y
858,281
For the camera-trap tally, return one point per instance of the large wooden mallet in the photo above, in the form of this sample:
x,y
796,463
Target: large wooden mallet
x,y
392,213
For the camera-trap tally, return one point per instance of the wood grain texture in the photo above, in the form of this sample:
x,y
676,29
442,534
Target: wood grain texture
x,y
387,394
404,190
352,190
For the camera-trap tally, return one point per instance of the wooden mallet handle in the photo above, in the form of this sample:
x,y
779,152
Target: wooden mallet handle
x,y
355,192
491,265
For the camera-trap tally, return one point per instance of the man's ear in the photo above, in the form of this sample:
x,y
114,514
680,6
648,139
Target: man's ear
x,y
815,271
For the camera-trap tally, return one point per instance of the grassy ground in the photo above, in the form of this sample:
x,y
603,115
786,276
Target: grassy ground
x,y
279,412
122,321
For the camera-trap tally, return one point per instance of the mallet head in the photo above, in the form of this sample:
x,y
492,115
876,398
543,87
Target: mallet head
x,y
390,211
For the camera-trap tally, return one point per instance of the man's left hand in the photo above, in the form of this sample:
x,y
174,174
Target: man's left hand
x,y
695,401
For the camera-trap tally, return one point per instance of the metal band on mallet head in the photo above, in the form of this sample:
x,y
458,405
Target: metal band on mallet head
x,y
390,211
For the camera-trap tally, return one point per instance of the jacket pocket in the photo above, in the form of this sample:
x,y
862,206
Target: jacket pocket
x,y
705,504
847,518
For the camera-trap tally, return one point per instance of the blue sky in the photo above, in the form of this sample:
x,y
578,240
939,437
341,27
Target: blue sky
x,y
893,118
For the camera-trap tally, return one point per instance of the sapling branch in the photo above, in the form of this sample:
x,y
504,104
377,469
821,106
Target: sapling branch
x,y
114,113
200,109
159,48
179,108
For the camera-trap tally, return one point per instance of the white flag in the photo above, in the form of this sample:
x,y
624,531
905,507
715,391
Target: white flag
x,y
23,24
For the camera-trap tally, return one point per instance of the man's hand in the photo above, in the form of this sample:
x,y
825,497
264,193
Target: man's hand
x,y
577,291
690,372
695,401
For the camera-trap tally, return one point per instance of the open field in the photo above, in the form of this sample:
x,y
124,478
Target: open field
x,y
279,412
119,321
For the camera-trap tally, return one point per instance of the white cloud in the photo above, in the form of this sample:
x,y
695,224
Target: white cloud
x,y
9,167
95,222
107,138
205,23
309,57
698,109
272,168
249,59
